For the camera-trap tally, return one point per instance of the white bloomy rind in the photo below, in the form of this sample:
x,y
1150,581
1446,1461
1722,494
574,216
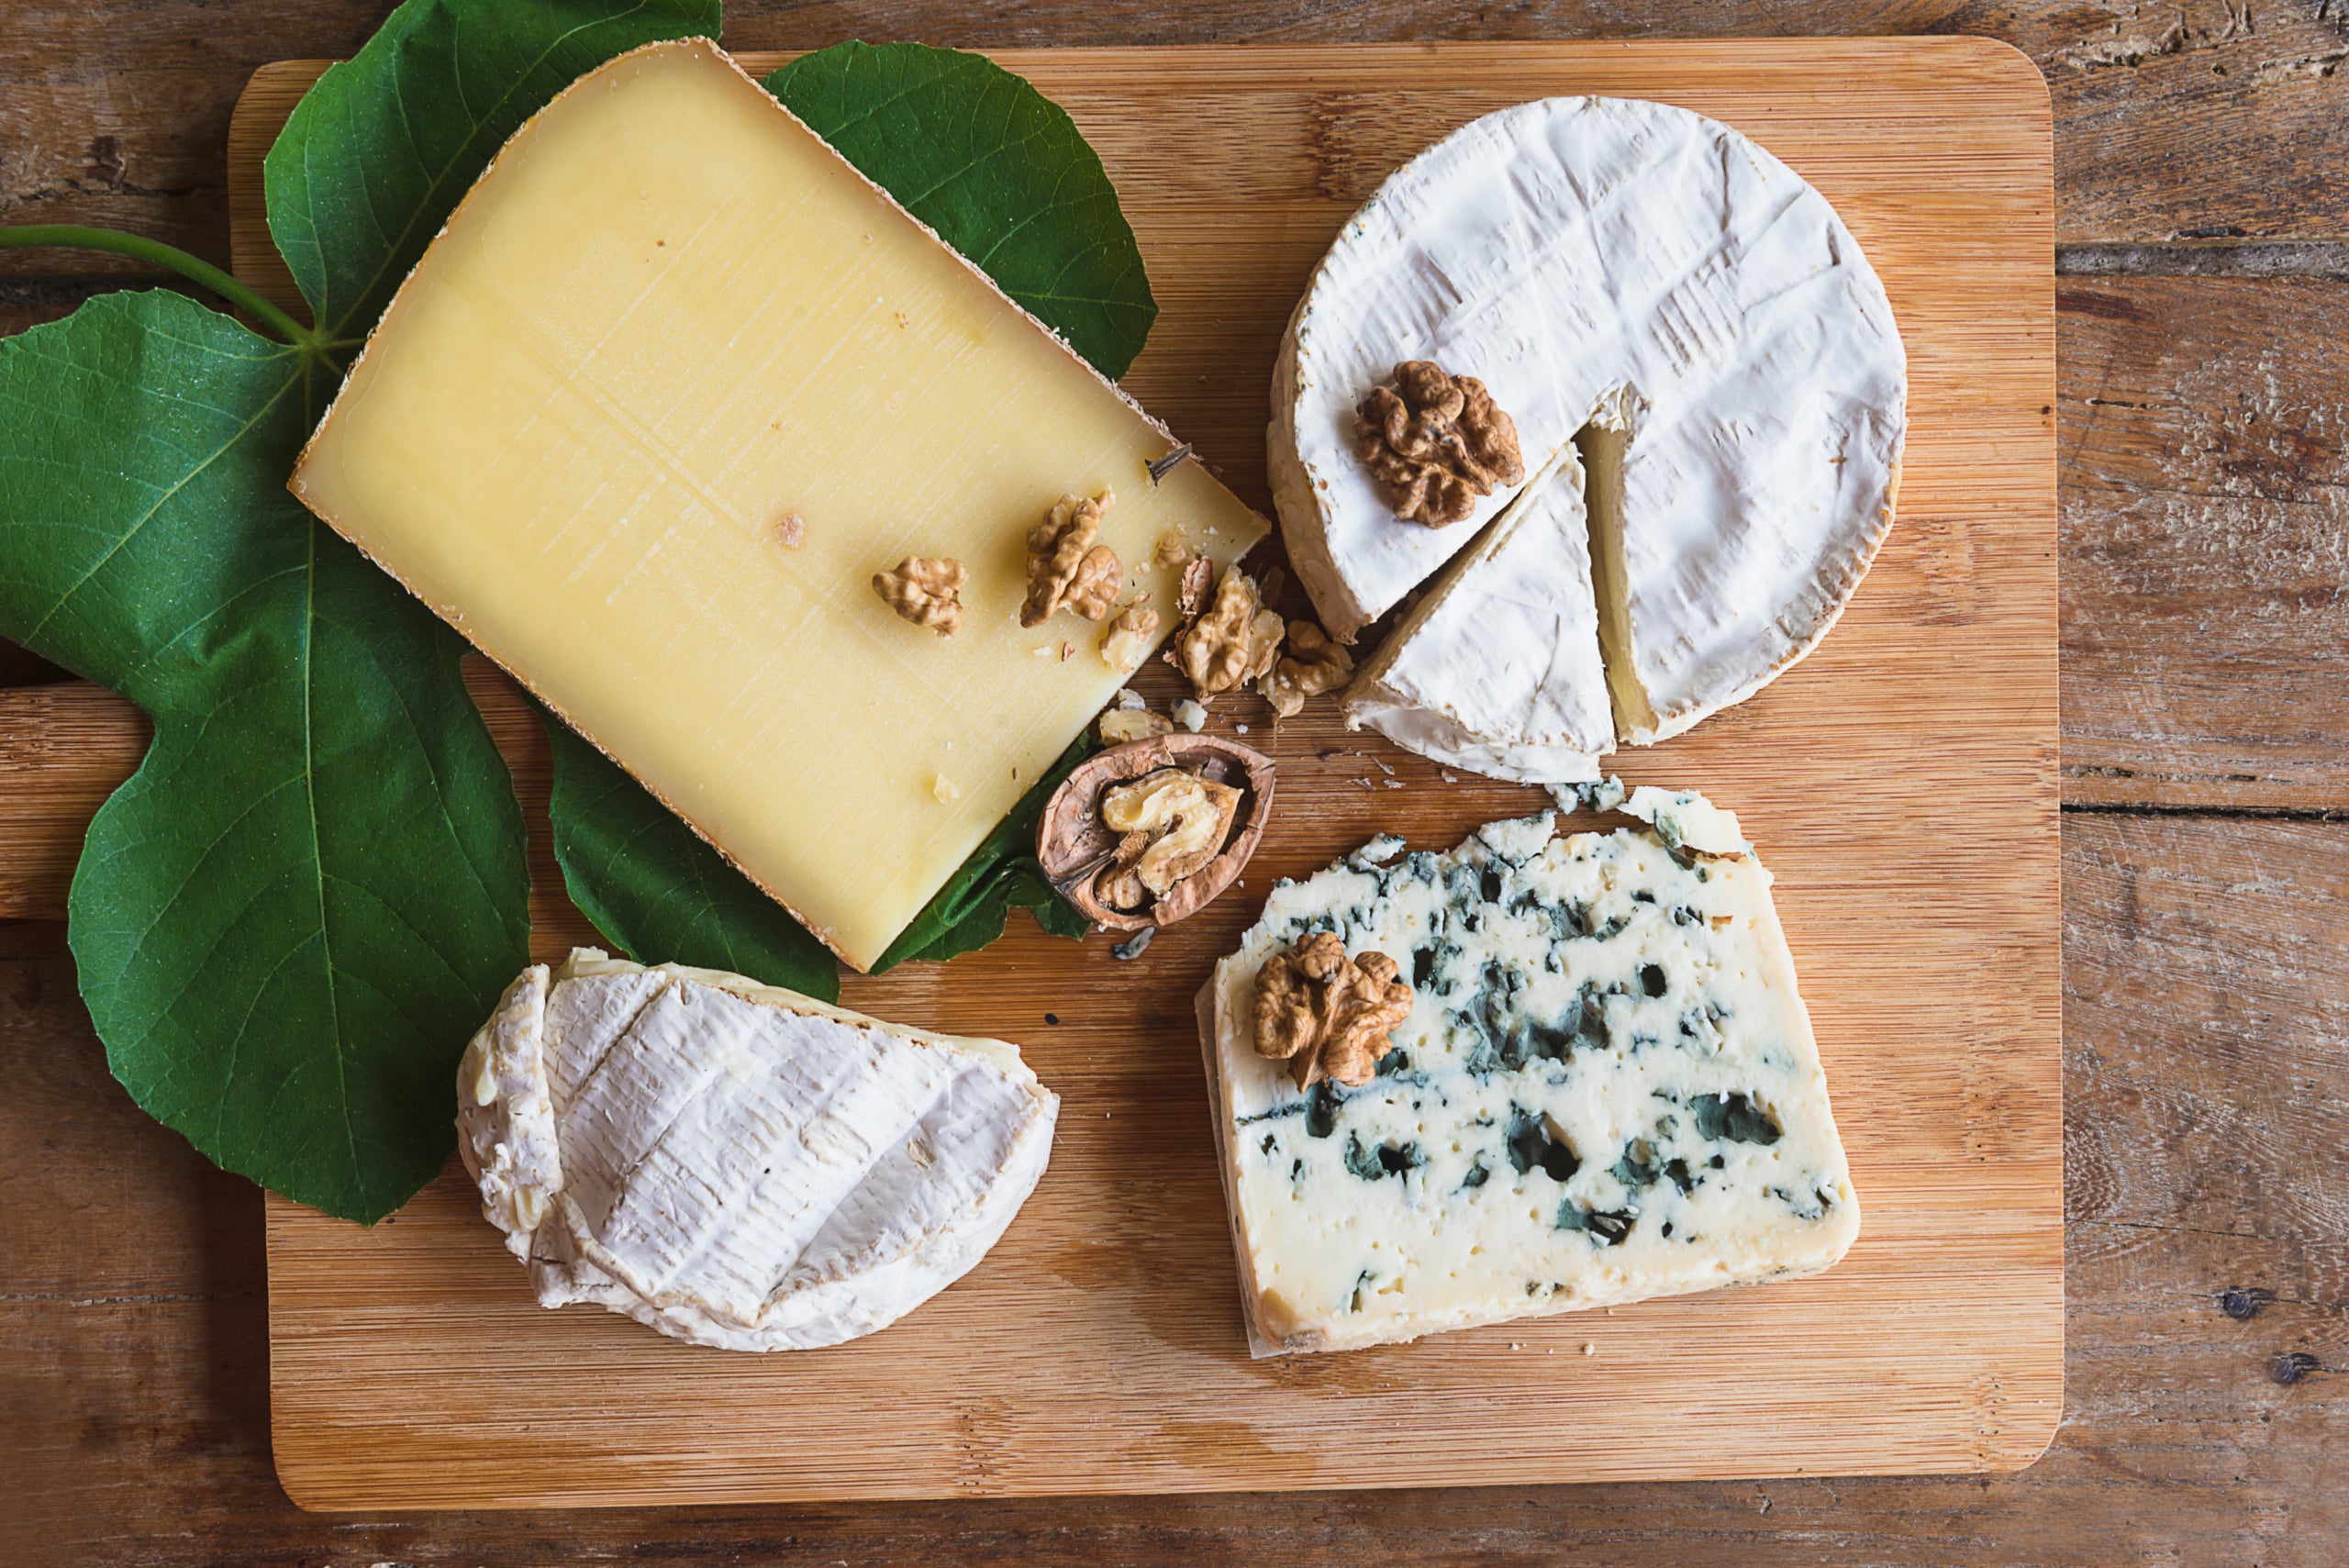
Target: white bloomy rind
x,y
1607,1089
1613,264
735,1165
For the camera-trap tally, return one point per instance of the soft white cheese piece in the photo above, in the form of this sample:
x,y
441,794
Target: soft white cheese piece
x,y
1497,669
735,1165
1659,284
1608,1090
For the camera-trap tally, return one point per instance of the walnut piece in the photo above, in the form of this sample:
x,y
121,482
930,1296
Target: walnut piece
x,y
1233,642
1173,550
1065,567
1125,642
1435,443
927,593
1199,577
1121,725
1174,823
1311,665
1326,1015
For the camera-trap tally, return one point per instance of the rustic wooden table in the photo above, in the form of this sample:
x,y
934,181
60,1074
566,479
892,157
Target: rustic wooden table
x,y
2203,231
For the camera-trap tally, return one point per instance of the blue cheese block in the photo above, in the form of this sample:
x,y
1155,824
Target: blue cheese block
x,y
1607,1090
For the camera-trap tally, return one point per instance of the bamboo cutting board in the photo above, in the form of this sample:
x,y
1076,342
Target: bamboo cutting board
x,y
1901,784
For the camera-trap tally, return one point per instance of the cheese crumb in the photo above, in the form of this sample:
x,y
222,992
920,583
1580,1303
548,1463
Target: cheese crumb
x,y
1240,729
944,789
1590,1349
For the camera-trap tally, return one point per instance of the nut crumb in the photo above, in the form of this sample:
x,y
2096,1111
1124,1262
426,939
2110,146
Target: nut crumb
x,y
925,592
790,531
1590,1349
944,790
1190,716
1435,444
1066,570
1173,550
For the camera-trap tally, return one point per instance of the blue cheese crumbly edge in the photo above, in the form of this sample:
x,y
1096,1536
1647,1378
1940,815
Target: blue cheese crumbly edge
x,y
1222,1007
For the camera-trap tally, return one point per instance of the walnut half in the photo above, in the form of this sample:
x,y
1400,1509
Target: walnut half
x,y
1326,1015
1434,443
1233,642
1147,833
1065,567
925,592
1311,665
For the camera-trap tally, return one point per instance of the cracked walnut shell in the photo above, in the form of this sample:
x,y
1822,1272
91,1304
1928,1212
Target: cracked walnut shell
x,y
1326,1015
1065,567
1435,444
925,592
1311,665
1233,642
1076,844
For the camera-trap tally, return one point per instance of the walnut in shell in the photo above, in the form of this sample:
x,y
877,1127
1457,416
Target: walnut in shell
x,y
1076,843
1434,443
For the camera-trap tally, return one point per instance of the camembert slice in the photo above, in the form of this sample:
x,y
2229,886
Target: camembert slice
x,y
1606,1089
737,1165
1659,285
672,387
1498,670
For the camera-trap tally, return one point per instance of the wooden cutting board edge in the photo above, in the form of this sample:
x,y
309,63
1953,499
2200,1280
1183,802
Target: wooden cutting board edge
x,y
2029,1423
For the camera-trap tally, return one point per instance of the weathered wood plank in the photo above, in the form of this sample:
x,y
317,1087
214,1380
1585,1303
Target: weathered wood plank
x,y
2211,117
2204,437
2209,1044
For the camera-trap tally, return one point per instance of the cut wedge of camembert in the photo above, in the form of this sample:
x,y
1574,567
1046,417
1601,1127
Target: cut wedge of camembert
x,y
1606,1089
1656,288
735,1165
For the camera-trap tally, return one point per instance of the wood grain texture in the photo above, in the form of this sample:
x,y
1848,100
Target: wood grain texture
x,y
2206,542
2206,116
1099,1348
134,1426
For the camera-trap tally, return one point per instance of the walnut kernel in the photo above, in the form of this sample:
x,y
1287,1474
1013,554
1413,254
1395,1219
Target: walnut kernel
x,y
1125,642
1233,642
1174,823
1434,443
1123,724
1326,1015
1311,665
925,592
1065,567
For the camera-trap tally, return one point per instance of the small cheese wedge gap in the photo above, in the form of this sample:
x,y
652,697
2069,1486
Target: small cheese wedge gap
x,y
1602,461
737,1165
1497,668
1607,1089
670,387
1564,252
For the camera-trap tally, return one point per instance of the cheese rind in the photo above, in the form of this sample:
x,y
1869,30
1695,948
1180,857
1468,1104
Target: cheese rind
x,y
1608,1090
1498,670
1614,265
665,320
737,1165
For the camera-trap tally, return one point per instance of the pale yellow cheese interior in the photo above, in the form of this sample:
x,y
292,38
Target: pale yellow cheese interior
x,y
668,318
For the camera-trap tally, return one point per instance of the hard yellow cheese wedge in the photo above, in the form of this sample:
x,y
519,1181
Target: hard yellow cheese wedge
x,y
673,385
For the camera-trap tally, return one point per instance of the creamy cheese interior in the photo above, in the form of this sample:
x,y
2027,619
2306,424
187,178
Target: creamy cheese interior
x,y
673,385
